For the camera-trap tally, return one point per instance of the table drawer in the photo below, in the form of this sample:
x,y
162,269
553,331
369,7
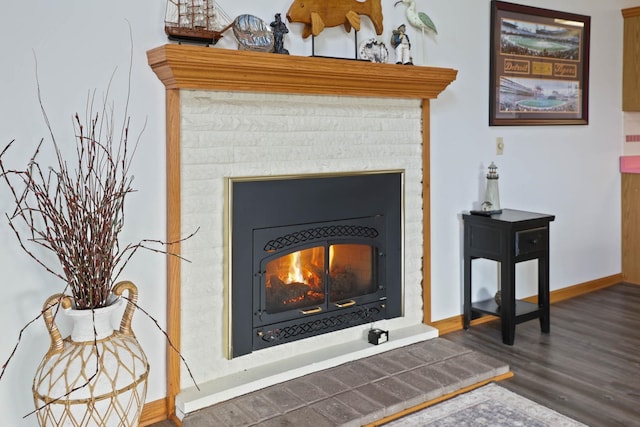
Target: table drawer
x,y
533,240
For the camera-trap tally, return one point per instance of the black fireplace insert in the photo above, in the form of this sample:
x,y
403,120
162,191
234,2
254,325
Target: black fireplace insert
x,y
311,255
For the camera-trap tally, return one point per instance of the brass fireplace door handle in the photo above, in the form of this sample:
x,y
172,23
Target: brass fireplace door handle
x,y
344,304
311,311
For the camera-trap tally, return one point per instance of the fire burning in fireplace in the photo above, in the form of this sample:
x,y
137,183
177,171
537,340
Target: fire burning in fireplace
x,y
297,280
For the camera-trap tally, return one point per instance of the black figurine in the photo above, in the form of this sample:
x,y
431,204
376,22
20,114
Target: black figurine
x,y
279,30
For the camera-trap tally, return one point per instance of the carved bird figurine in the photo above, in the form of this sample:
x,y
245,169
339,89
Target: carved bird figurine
x,y
418,19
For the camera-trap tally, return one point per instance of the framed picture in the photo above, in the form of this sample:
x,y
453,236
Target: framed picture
x,y
539,72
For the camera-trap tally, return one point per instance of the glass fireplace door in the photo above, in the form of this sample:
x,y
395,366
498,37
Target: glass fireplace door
x,y
351,272
319,278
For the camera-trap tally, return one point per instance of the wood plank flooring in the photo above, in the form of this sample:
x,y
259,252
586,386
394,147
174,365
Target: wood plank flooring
x,y
587,368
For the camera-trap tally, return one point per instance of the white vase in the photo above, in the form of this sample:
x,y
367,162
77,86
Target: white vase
x,y
96,376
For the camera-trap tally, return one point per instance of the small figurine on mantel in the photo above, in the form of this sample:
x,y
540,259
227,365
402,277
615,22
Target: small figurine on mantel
x,y
279,29
402,45
417,19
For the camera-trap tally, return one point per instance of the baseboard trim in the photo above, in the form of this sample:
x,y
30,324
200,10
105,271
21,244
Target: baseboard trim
x,y
154,412
584,288
455,323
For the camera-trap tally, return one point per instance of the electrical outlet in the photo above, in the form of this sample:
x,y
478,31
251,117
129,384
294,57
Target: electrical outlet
x,y
499,146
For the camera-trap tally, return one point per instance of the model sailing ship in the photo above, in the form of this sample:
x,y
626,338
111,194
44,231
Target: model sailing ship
x,y
196,21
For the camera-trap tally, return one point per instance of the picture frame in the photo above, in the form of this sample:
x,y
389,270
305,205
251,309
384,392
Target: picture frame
x,y
539,66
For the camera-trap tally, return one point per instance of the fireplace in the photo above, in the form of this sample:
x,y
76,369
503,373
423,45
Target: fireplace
x,y
312,255
237,113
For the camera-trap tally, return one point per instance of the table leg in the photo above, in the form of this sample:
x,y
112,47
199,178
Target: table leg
x,y
543,294
467,292
508,303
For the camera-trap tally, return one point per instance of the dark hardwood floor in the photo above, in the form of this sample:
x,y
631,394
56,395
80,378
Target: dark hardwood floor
x,y
587,368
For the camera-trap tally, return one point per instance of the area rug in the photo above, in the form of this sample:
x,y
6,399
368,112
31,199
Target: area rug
x,y
490,405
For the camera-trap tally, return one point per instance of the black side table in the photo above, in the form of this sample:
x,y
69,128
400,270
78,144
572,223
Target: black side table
x,y
508,238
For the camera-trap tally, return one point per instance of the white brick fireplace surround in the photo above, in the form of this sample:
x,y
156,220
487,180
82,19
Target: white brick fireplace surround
x,y
242,114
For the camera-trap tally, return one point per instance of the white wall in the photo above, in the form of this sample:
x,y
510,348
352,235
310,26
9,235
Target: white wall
x,y
568,171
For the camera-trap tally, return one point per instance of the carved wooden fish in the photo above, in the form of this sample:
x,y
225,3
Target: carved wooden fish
x,y
318,14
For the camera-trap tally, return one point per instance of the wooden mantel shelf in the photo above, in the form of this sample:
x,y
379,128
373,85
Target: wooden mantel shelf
x,y
198,67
